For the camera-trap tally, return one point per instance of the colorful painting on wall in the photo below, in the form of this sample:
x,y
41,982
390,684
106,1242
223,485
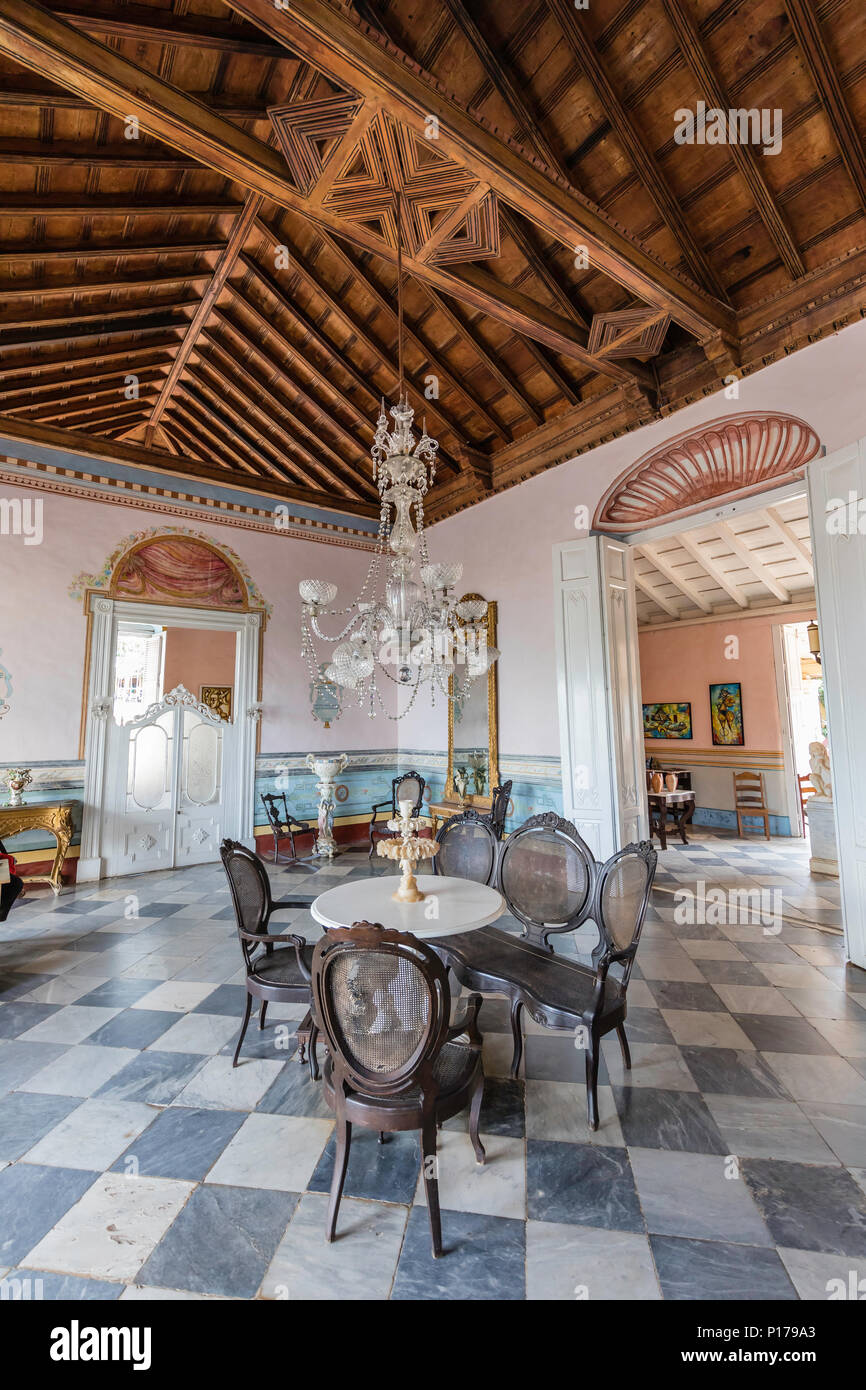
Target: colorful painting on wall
x,y
726,714
218,698
667,720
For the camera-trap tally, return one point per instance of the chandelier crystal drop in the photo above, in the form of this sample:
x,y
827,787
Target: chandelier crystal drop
x,y
406,626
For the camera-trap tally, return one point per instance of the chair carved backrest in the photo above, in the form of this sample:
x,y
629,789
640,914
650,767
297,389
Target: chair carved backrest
x,y
749,790
250,890
278,816
499,807
408,786
547,875
468,848
622,891
381,998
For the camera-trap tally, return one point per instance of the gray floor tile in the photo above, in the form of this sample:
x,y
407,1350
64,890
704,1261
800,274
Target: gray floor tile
x,y
581,1184
703,1269
809,1208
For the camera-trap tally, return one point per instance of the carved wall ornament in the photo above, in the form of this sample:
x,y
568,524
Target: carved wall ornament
x,y
729,457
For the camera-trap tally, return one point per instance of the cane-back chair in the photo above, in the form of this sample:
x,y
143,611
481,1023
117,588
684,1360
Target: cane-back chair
x,y
468,848
409,786
277,965
381,999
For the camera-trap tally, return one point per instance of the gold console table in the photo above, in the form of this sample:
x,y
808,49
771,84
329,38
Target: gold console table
x,y
55,816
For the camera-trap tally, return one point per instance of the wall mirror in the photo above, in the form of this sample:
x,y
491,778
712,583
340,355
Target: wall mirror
x,y
473,733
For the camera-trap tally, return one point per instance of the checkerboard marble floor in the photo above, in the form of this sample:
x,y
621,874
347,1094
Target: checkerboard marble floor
x,y
136,1164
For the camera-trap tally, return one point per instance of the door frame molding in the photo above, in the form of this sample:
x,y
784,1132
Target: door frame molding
x,y
105,615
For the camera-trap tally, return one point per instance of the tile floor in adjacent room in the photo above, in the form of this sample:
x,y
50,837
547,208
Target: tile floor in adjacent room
x,y
135,1163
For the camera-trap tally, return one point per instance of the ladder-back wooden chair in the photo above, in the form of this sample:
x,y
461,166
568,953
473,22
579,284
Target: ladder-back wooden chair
x,y
750,800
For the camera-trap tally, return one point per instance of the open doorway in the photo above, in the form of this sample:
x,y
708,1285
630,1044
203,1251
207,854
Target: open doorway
x,y
806,713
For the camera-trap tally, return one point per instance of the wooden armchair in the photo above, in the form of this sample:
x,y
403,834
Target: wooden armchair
x,y
409,786
806,790
274,970
394,1062
283,824
749,800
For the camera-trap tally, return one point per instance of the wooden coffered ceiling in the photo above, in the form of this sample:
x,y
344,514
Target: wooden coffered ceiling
x,y
200,197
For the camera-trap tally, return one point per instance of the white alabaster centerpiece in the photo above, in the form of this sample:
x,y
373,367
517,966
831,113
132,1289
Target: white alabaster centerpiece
x,y
408,848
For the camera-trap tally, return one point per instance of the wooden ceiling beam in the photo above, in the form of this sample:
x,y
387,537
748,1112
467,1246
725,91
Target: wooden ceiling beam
x,y
105,329
492,360
37,94
756,567
148,25
415,335
333,466
218,430
322,380
71,377
221,271
528,316
238,381
806,25
526,241
69,414
75,317
378,350
640,156
653,593
102,417
715,571
68,155
33,251
150,459
667,571
529,122
65,205
50,289
786,534
347,51
24,402
704,71
272,453
188,440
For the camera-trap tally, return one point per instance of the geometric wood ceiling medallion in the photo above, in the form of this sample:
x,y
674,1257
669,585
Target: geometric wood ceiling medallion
x,y
635,333
351,159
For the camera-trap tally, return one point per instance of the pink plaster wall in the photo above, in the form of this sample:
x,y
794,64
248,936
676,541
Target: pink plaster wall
x,y
505,542
42,629
682,664
195,657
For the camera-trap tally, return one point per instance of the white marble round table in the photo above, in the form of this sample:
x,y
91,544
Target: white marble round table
x,y
450,905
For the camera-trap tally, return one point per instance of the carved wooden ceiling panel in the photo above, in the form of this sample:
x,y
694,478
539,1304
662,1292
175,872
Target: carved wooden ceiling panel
x,y
202,198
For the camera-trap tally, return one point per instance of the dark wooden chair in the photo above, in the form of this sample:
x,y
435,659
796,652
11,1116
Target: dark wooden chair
x,y
468,847
552,884
499,808
381,999
274,970
284,826
11,889
408,786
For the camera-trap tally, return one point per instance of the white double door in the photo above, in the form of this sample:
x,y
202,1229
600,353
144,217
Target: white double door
x,y
169,774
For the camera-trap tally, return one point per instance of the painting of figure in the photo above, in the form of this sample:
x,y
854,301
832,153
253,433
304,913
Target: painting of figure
x,y
667,720
726,714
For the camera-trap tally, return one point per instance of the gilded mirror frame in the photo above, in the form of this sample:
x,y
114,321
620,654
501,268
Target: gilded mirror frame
x,y
492,722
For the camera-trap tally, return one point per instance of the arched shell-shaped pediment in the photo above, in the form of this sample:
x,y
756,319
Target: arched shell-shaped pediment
x,y
725,458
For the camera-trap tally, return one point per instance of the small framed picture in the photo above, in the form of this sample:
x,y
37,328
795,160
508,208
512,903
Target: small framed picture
x,y
726,714
218,698
667,720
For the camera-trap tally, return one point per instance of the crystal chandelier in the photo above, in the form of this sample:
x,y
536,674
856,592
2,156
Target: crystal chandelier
x,y
406,626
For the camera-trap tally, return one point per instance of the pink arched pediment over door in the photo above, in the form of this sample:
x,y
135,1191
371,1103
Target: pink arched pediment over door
x,y
724,459
179,570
